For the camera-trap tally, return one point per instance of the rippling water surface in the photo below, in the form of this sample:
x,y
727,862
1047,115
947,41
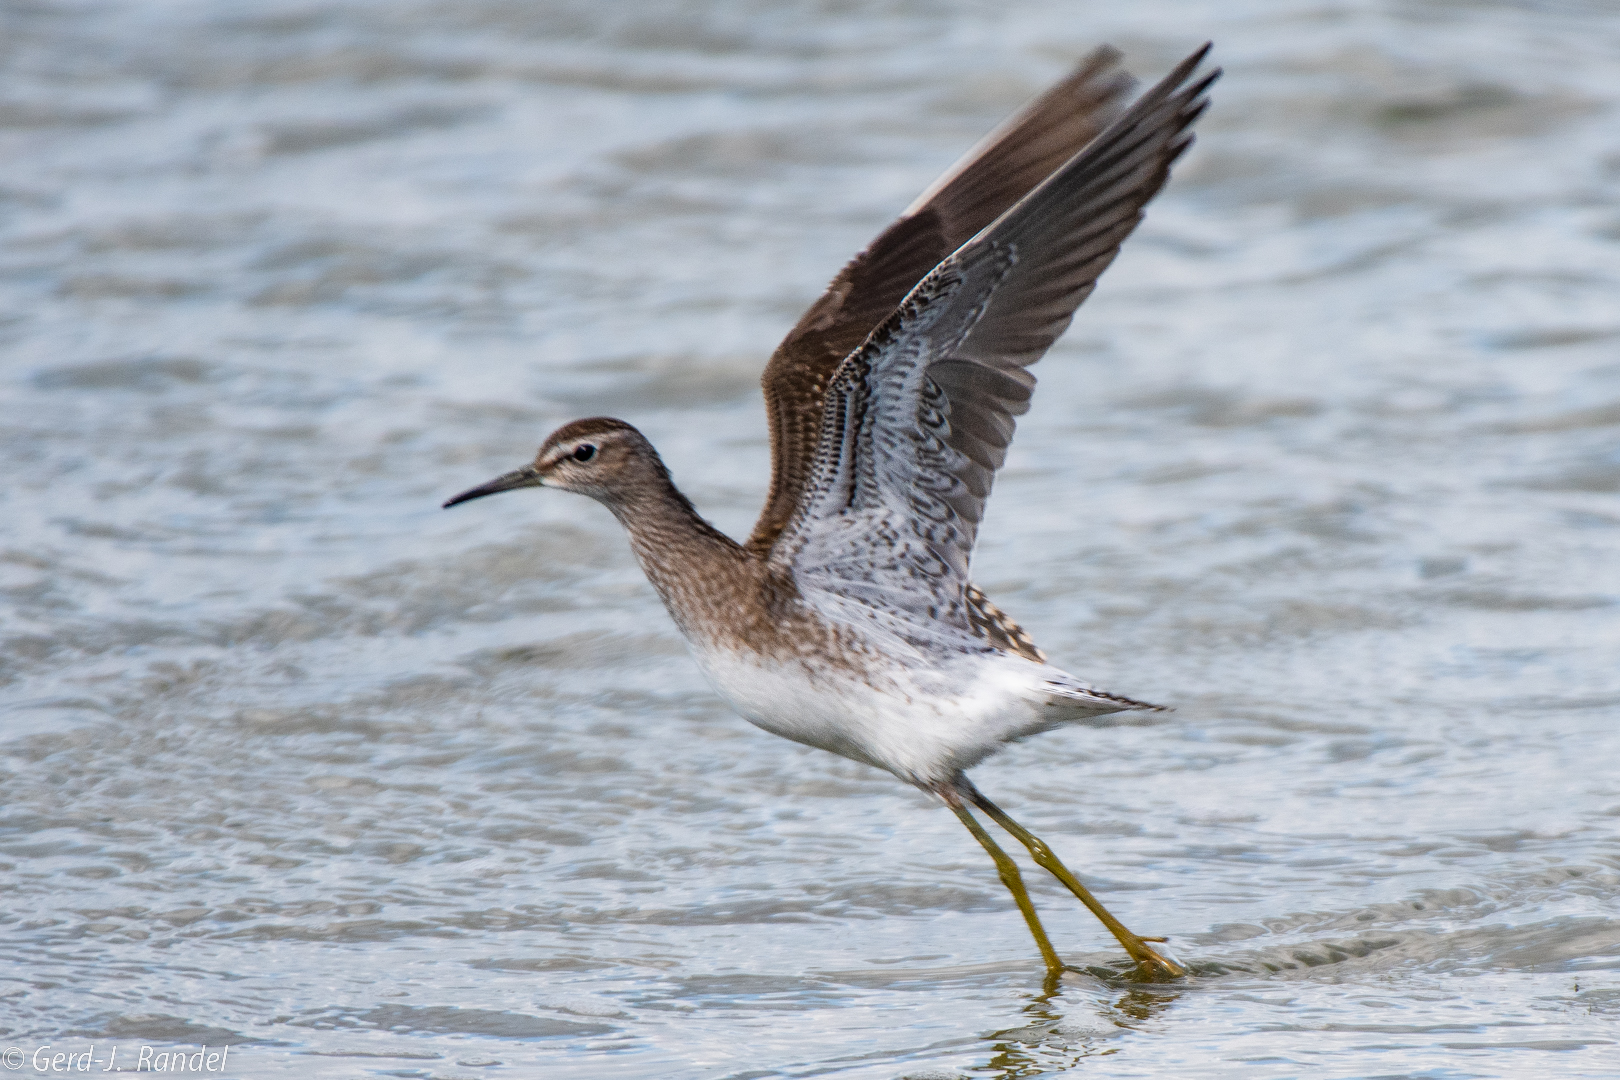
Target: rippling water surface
x,y
295,762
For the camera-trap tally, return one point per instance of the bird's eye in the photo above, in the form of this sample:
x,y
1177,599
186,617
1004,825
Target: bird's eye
x,y
584,452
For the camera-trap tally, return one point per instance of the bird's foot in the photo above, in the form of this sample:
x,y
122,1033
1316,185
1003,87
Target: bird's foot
x,y
1151,966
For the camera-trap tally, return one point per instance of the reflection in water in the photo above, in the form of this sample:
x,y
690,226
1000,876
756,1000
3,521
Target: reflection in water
x,y
1143,1003
1054,1039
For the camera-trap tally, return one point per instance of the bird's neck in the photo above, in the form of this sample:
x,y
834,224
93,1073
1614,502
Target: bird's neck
x,y
701,574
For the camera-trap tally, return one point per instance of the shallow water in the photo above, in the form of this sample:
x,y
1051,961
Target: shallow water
x,y
297,763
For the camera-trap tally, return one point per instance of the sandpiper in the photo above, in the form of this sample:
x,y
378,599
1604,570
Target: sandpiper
x,y
847,621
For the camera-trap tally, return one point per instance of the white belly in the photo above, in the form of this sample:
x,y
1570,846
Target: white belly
x,y
924,727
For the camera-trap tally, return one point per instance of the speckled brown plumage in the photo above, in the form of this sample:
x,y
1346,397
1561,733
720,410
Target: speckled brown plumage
x,y
998,628
991,177
848,621
715,589
883,458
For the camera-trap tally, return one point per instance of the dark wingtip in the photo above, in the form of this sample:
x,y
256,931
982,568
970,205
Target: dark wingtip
x,y
1196,57
1182,71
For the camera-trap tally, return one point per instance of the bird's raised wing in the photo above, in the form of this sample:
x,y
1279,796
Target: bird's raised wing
x,y
918,419
996,173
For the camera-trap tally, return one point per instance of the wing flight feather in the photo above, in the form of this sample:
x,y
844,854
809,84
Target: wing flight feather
x,y
996,173
917,420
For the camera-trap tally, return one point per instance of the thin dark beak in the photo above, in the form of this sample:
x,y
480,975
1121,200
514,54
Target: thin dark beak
x,y
528,476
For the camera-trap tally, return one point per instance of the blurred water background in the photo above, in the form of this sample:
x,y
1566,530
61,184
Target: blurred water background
x,y
293,761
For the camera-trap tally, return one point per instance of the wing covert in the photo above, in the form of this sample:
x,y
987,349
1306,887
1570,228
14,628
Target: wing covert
x,y
993,175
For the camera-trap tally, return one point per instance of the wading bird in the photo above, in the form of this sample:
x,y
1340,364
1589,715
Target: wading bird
x,y
847,621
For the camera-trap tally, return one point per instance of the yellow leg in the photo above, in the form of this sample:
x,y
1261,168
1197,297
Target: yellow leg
x,y
1014,881
1149,964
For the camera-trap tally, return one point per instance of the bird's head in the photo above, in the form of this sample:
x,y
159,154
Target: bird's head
x,y
604,458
